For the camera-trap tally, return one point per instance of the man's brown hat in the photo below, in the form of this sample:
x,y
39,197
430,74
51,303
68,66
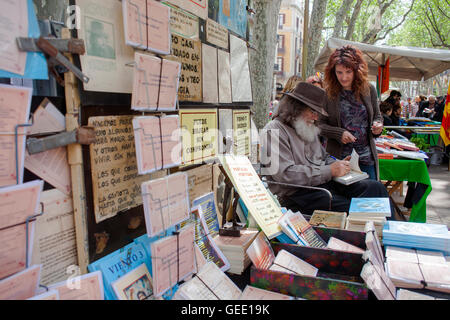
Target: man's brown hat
x,y
314,97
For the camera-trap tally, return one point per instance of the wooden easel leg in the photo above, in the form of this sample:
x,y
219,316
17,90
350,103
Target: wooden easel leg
x,y
75,159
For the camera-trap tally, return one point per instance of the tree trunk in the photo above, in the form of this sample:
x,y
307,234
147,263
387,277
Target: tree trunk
x,y
340,17
262,59
351,25
315,33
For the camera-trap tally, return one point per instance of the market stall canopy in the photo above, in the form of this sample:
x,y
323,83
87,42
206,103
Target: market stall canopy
x,y
406,63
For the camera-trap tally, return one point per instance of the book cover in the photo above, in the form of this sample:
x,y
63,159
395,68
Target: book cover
x,y
303,229
290,263
208,212
135,285
210,283
370,206
336,244
261,253
117,264
85,287
205,241
329,219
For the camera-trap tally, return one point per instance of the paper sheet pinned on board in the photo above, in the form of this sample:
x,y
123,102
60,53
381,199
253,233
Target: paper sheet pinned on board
x,y
15,63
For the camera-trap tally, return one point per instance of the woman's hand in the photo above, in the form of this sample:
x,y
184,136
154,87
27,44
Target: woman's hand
x,y
347,137
377,127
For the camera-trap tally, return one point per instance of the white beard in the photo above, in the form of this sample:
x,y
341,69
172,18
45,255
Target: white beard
x,y
308,132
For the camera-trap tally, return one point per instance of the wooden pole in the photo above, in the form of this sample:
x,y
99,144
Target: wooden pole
x,y
305,39
75,159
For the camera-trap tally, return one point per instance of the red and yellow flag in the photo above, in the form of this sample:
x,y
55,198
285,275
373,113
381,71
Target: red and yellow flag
x,y
445,125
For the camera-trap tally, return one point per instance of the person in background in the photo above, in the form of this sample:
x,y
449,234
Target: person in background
x,y
394,98
354,115
315,80
431,109
396,114
415,106
288,87
386,111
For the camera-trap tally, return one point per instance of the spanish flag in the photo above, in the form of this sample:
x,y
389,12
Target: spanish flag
x,y
445,125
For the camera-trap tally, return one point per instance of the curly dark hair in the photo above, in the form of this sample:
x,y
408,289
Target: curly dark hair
x,y
289,109
352,58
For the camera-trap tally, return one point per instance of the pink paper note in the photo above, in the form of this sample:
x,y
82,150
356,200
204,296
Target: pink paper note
x,y
85,287
52,166
170,127
13,249
14,24
158,31
168,89
22,285
146,81
14,110
147,135
166,202
19,202
172,259
135,23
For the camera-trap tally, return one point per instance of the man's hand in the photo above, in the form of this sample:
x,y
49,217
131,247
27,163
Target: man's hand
x,y
340,168
347,137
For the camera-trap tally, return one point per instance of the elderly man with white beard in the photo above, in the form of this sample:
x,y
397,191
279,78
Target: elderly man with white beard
x,y
291,153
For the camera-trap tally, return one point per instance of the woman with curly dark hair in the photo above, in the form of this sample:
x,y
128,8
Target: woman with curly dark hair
x,y
354,115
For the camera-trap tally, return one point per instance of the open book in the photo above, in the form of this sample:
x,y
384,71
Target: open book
x,y
355,173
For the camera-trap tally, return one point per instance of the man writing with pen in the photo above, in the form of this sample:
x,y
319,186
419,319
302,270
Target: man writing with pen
x,y
291,153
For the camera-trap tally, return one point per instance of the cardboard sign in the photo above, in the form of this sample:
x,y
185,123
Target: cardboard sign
x,y
241,132
115,180
189,53
199,135
197,7
216,34
183,23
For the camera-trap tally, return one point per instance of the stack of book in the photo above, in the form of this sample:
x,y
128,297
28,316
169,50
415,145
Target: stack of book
x,y
234,249
418,269
363,210
328,219
417,235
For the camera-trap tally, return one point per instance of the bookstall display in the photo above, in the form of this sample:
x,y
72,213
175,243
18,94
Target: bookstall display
x,y
139,181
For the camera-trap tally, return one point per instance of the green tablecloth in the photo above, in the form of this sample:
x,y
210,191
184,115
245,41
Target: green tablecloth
x,y
411,171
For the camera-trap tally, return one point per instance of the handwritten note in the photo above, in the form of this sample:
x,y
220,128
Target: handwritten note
x,y
241,131
135,23
115,180
183,23
54,242
188,52
260,204
197,7
199,135
14,110
216,34
85,287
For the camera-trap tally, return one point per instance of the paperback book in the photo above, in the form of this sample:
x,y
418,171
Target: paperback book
x,y
355,173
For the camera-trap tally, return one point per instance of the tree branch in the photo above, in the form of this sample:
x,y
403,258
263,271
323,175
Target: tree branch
x,y
396,26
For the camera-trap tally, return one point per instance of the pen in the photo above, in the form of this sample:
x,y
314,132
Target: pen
x,y
333,157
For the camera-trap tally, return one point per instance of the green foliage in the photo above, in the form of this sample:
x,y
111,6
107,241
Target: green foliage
x,y
420,143
426,26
